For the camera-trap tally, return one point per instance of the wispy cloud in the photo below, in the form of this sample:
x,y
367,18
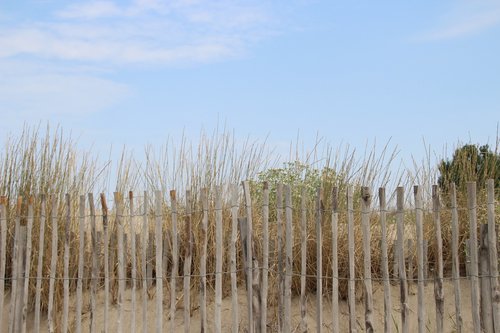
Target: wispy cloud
x,y
466,19
30,91
145,31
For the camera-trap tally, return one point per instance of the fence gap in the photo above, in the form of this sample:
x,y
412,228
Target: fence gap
x,y
234,278
203,261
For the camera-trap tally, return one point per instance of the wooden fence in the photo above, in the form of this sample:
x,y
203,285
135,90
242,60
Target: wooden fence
x,y
117,262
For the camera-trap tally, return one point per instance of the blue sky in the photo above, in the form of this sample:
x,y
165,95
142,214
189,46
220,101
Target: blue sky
x,y
134,72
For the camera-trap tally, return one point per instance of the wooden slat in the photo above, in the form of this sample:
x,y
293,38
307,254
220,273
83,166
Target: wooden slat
x,y
455,259
144,259
105,227
218,259
234,277
175,260
335,260
303,261
288,259
65,321
79,286
419,218
21,273
248,209
3,251
39,269
384,261
485,281
15,268
279,250
351,254
493,254
95,264
366,198
159,261
27,263
121,258
187,263
133,234
203,261
438,288
319,260
475,305
53,265
405,311
265,255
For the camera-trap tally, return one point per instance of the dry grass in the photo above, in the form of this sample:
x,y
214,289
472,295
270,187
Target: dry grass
x,y
50,163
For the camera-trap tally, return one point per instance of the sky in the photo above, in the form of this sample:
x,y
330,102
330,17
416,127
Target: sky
x,y
136,72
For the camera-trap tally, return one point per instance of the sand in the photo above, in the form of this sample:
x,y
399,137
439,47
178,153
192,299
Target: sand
x,y
378,315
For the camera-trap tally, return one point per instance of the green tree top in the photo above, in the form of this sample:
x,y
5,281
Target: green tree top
x,y
470,163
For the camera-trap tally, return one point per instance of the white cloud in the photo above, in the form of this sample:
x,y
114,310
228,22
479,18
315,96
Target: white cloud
x,y
36,91
466,19
144,31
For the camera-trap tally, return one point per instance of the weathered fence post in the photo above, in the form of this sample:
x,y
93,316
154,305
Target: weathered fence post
x,y
319,260
485,280
417,191
66,265
303,261
455,258
27,264
438,280
105,227
351,254
133,234
81,248
335,259
218,259
175,260
405,311
288,259
53,265
493,254
385,265
254,306
234,277
159,261
39,270
187,263
93,285
121,269
366,199
3,250
475,304
265,255
203,261
279,249
144,265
